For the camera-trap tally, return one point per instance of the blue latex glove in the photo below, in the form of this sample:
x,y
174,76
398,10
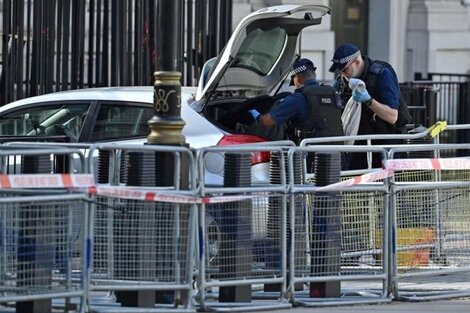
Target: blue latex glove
x,y
255,114
361,95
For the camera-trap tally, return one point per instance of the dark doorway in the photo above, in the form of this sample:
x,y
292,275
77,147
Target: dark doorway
x,y
349,21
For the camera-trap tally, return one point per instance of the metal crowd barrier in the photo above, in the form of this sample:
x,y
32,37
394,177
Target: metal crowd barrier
x,y
58,162
431,223
421,231
419,136
242,259
346,251
167,235
144,227
43,230
461,132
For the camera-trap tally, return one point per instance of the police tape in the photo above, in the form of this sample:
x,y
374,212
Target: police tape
x,y
46,181
428,164
87,181
391,166
127,192
366,178
132,193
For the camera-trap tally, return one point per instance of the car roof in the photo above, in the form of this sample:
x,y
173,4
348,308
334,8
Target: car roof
x,y
199,131
142,94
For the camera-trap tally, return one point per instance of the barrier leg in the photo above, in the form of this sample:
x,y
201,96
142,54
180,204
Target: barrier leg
x,y
325,247
35,252
236,251
127,235
274,217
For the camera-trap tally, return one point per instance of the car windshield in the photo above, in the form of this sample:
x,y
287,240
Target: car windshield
x,y
261,50
46,120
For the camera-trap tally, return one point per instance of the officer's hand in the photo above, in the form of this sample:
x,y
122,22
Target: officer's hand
x,y
361,95
255,114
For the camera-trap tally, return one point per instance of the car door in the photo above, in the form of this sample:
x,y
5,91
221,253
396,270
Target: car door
x,y
118,120
46,119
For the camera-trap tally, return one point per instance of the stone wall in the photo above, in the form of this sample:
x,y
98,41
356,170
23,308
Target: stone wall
x,y
420,35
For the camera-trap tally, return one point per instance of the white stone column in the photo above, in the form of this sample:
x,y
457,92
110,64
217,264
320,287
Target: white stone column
x,y
438,37
387,26
317,43
397,47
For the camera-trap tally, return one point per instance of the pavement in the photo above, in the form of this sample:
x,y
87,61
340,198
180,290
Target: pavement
x,y
438,289
461,305
437,293
441,306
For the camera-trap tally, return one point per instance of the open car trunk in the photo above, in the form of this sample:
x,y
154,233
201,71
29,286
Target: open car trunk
x,y
231,115
253,65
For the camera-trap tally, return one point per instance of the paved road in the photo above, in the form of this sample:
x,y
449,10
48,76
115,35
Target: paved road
x,y
455,283
459,283
441,306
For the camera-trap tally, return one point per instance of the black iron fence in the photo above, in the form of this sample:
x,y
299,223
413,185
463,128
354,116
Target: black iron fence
x,y
440,96
443,77
53,45
421,100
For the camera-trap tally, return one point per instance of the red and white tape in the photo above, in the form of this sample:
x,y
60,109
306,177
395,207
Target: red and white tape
x,y
366,178
138,194
402,165
36,181
46,181
428,164
87,181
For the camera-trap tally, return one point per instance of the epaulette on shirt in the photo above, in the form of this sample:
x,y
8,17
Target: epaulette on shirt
x,y
376,68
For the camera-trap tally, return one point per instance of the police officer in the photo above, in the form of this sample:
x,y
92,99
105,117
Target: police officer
x,y
310,111
380,100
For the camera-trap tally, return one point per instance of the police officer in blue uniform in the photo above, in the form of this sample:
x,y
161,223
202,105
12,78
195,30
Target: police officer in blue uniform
x,y
310,111
380,100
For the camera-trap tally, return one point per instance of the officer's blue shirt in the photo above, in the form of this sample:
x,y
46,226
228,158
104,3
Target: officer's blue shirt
x,y
293,107
388,87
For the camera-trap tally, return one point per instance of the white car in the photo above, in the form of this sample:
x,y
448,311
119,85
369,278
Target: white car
x,y
115,114
249,73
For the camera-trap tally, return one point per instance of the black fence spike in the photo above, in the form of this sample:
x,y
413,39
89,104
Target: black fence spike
x,y
53,45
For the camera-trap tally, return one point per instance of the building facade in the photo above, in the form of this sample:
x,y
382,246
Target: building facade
x,y
49,46
415,36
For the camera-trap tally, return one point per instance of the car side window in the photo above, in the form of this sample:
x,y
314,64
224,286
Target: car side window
x,y
45,120
116,120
